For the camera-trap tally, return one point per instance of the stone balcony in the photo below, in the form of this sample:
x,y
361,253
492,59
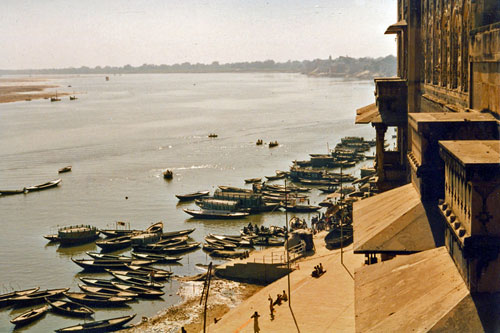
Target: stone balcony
x,y
392,100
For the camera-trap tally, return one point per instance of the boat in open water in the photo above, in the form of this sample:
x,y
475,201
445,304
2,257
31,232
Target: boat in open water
x,y
30,316
70,308
44,186
106,325
65,169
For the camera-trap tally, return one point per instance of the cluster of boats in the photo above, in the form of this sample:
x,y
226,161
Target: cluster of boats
x,y
73,305
237,246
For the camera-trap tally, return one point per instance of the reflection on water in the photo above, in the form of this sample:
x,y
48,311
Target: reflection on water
x,y
122,134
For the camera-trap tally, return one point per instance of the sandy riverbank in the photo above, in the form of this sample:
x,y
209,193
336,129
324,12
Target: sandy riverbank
x,y
224,295
26,89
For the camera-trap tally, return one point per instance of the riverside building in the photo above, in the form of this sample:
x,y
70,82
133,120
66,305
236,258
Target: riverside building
x,y
432,236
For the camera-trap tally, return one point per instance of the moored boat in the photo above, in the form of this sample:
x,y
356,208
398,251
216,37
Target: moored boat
x,y
100,265
301,208
337,237
113,244
70,308
105,291
137,281
97,282
181,248
97,300
142,291
12,192
29,316
5,299
253,180
173,234
159,257
77,234
191,196
37,297
216,214
104,256
106,325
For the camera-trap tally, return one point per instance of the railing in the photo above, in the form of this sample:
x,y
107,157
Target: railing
x,y
279,257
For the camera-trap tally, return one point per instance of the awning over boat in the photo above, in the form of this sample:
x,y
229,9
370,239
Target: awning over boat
x,y
394,221
422,292
396,27
367,114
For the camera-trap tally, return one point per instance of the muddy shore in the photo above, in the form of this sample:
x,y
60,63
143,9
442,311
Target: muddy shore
x,y
224,295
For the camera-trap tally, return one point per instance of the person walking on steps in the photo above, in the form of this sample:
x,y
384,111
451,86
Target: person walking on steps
x,y
255,317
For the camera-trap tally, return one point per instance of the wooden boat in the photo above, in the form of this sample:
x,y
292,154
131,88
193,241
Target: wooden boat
x,y
65,169
333,238
100,265
5,298
113,244
97,282
216,214
158,257
323,182
212,247
44,186
157,276
228,254
273,144
168,174
37,297
52,237
137,281
329,189
280,176
155,228
212,135
268,241
77,234
104,256
70,308
73,98
144,269
141,291
234,189
106,325
191,196
105,291
225,244
181,248
145,238
12,192
29,316
301,208
253,180
97,300
121,229
174,234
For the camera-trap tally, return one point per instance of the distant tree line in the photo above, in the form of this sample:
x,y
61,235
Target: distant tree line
x,y
341,66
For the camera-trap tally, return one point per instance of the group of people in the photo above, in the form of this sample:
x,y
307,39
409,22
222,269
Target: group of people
x,y
318,270
249,229
279,299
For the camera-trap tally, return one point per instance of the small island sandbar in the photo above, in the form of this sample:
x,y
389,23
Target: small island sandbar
x,y
25,89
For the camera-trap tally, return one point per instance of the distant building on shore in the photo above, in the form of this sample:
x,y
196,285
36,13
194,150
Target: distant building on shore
x,y
432,237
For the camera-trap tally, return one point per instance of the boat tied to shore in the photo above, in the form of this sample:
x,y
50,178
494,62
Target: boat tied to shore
x,y
106,325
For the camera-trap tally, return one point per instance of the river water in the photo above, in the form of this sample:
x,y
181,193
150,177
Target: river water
x,y
120,134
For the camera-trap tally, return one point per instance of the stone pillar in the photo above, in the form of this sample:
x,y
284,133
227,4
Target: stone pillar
x,y
380,130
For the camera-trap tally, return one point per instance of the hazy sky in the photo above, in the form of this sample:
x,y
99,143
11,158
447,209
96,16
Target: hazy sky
x,y
65,33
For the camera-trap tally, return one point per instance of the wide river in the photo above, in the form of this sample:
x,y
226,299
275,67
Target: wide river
x,y
119,136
